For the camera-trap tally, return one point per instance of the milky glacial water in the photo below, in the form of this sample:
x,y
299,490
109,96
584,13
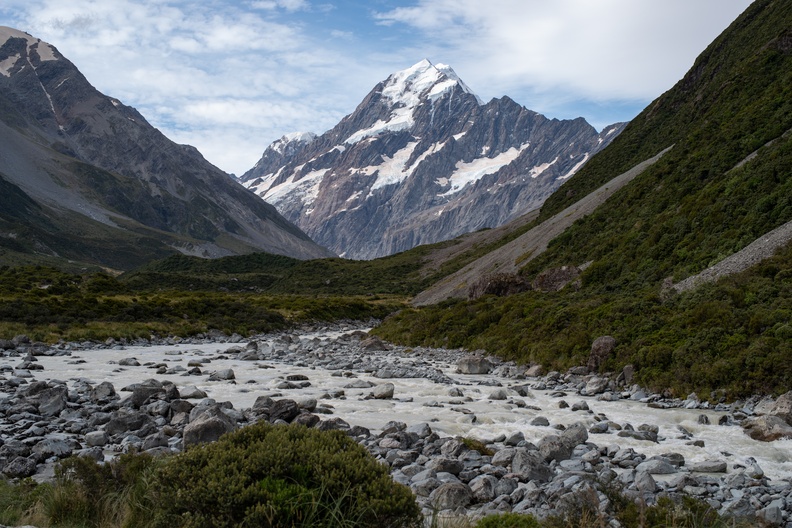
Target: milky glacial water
x,y
422,400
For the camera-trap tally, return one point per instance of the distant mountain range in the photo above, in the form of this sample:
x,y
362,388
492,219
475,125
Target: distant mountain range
x,y
420,160
86,178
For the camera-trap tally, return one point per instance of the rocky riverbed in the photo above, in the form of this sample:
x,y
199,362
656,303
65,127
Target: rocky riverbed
x,y
548,441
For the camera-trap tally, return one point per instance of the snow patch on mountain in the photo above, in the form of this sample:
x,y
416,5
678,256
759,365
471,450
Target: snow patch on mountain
x,y
467,173
392,170
294,137
306,189
44,50
576,168
7,64
400,119
539,169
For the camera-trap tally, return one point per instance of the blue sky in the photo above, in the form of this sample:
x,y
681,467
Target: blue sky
x,y
231,76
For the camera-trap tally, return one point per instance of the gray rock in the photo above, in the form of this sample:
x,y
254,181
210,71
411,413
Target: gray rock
x,y
740,509
307,419
514,439
209,426
534,371
575,435
424,487
56,446
483,488
499,394
505,486
222,375
20,467
601,350
373,344
103,392
129,362
596,385
446,465
359,384
383,392
530,465
767,428
771,515
656,467
155,440
474,365
580,406
142,393
553,447
783,408
53,401
334,424
540,421
709,466
503,458
645,483
125,420
599,428
450,496
96,439
422,430
286,410
191,392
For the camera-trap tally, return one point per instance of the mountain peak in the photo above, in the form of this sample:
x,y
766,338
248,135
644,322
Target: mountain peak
x,y
295,137
422,80
404,91
44,51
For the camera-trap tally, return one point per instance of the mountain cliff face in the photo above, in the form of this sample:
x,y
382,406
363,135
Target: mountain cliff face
x,y
98,172
420,160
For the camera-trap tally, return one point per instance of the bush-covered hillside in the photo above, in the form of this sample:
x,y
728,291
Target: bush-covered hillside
x,y
48,305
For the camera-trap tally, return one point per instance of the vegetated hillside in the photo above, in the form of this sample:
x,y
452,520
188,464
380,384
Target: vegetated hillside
x,y
725,183
403,274
51,305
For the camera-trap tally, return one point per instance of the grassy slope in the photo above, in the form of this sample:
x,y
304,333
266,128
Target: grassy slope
x,y
49,305
689,210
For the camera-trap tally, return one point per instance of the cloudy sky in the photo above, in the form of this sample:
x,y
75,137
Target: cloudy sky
x,y
231,76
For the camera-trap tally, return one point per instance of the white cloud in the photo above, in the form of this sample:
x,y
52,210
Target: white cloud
x,y
609,49
288,5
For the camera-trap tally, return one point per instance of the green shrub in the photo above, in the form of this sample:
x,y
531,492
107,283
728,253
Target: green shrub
x,y
279,476
508,520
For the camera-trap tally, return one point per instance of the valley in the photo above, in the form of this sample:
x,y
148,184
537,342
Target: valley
x,y
598,325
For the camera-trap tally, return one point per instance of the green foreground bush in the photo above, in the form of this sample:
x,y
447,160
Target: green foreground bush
x,y
280,476
260,476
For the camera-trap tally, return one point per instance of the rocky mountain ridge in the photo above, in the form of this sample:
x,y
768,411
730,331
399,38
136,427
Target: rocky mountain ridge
x,y
91,176
420,160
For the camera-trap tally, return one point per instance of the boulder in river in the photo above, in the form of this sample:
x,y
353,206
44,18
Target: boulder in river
x,y
767,428
474,365
783,407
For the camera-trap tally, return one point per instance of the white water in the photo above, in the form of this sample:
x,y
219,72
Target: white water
x,y
492,418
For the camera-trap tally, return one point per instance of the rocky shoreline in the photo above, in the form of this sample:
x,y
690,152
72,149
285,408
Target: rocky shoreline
x,y
570,467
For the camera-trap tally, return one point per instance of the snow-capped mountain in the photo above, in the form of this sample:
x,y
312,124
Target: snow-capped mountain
x,y
85,177
420,160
